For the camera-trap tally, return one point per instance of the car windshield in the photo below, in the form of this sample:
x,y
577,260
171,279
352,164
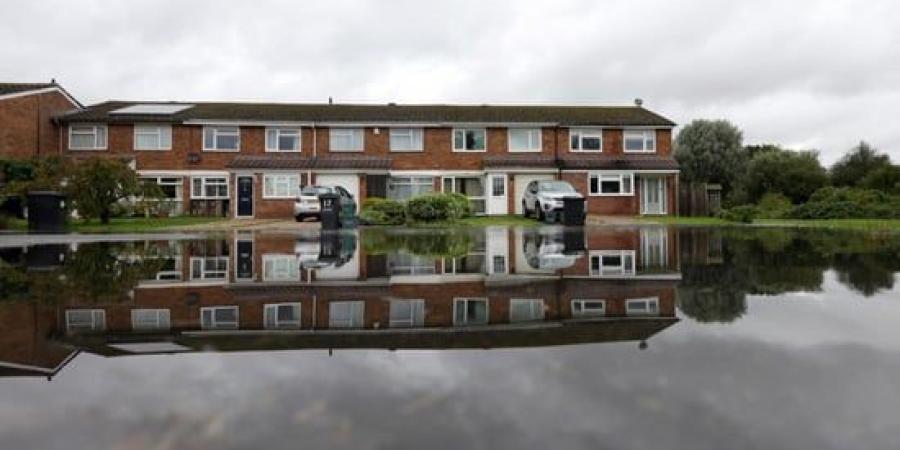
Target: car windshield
x,y
556,186
315,190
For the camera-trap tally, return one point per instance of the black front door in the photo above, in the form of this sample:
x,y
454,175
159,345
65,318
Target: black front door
x,y
245,196
244,260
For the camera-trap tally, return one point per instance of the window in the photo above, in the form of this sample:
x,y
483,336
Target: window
x,y
281,316
498,186
470,311
346,314
87,137
150,319
209,267
588,308
281,186
172,189
406,140
586,139
471,187
281,268
469,139
282,139
346,139
403,263
612,263
642,306
499,262
405,188
611,184
524,139
169,270
526,310
221,139
152,137
85,320
639,141
219,318
407,313
209,188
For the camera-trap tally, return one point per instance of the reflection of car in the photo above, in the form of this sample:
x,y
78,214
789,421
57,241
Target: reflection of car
x,y
332,249
307,203
544,196
552,248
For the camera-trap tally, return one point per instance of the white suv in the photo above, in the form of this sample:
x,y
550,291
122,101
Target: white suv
x,y
544,196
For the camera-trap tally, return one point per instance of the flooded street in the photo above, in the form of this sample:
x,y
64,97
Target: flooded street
x,y
596,337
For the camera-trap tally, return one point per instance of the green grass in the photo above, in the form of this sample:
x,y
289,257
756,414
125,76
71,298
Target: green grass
x,y
848,224
480,221
123,225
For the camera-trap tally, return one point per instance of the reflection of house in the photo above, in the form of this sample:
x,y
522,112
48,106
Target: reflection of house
x,y
24,347
256,291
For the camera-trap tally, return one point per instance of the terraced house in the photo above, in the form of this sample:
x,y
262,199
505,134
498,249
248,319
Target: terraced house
x,y
250,159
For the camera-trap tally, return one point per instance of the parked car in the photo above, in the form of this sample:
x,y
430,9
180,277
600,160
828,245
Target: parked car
x,y
544,196
307,203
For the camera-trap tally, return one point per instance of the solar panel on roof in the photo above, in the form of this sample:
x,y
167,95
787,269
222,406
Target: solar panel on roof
x,y
151,108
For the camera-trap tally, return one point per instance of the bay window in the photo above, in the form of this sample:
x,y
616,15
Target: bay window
x,y
586,139
152,137
524,139
345,139
469,139
221,139
406,139
283,139
639,141
281,185
87,137
612,263
611,183
281,268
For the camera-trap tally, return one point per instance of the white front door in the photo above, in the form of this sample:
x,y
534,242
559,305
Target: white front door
x,y
497,187
653,195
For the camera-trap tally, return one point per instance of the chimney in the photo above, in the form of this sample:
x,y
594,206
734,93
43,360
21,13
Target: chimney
x,y
330,101
638,102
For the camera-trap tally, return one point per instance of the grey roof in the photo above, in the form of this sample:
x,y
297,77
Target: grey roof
x,y
613,162
314,162
13,88
381,113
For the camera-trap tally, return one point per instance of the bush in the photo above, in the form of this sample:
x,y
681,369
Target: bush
x,y
381,211
773,206
743,214
438,207
848,203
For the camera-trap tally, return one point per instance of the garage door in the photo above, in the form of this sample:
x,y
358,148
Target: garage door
x,y
522,180
350,182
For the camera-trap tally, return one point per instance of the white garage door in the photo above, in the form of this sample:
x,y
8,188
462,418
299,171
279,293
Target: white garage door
x,y
521,181
350,182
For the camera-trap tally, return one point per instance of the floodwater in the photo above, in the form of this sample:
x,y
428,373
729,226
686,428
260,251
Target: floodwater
x,y
490,338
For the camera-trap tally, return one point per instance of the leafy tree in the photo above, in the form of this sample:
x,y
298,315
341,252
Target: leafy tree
x,y
36,174
856,164
710,151
885,179
97,184
796,174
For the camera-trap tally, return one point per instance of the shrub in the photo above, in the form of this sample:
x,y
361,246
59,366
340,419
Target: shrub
x,y
773,206
381,211
848,203
438,207
743,214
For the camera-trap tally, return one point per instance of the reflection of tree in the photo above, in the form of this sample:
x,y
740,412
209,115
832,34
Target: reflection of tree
x,y
711,294
864,273
438,243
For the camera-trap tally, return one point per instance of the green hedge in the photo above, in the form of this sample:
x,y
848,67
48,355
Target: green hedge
x,y
381,211
848,203
438,207
742,213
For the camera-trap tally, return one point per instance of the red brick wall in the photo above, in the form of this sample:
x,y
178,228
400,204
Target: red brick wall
x,y
25,124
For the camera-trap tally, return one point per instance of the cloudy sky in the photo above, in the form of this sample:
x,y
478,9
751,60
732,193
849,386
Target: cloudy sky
x,y
813,74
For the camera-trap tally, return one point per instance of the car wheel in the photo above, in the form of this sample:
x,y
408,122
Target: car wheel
x,y
298,218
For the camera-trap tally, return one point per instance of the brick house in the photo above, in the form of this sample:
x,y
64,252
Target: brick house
x,y
26,110
249,159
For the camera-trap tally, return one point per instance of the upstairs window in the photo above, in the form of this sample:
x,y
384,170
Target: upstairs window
x,y
586,139
346,139
406,139
639,141
283,139
524,139
221,139
470,311
153,137
87,137
469,139
611,184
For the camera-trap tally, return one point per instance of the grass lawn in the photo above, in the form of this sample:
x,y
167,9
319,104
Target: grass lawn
x,y
848,224
481,221
125,225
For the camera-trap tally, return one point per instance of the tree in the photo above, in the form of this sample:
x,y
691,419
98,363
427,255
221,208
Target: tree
x,y
710,151
856,164
37,174
885,179
796,174
98,183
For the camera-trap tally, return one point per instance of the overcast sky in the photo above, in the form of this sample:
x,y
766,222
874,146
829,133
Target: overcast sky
x,y
811,74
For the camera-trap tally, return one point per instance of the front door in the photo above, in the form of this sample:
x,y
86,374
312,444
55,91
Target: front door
x,y
245,196
498,203
244,250
653,195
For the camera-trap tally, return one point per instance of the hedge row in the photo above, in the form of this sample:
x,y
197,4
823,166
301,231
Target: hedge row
x,y
825,203
437,207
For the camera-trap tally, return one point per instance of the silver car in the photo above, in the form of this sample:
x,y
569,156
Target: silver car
x,y
544,196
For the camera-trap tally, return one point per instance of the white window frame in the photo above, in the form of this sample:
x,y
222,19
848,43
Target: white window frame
x,y
652,304
161,319
273,139
207,274
216,325
203,184
162,133
536,308
535,140
647,136
583,133
98,131
285,267
416,312
281,180
623,269
620,177
483,198
355,134
98,320
579,311
416,182
221,130
272,308
357,318
483,131
464,301
416,138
